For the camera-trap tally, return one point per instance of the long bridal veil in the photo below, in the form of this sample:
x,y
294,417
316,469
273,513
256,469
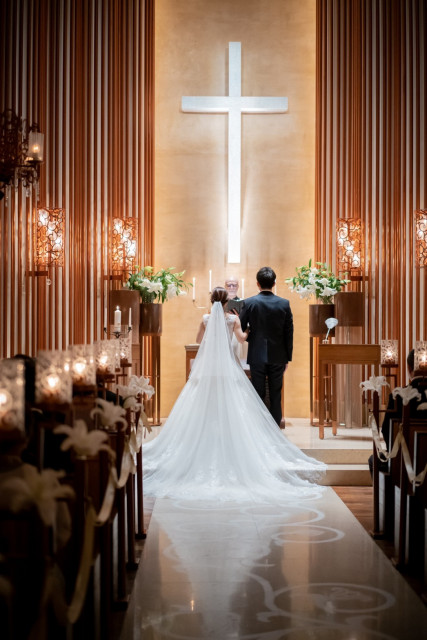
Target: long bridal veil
x,y
220,442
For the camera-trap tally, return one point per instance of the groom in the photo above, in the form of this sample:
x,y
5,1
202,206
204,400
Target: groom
x,y
270,339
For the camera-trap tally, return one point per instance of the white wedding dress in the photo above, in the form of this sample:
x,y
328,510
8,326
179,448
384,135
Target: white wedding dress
x,y
220,441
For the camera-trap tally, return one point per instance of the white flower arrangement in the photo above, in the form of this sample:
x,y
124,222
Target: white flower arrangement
x,y
157,286
375,383
34,488
318,281
109,414
406,393
84,442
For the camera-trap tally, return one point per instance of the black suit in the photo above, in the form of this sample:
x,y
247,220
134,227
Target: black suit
x,y
270,344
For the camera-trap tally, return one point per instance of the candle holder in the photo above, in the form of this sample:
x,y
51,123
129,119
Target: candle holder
x,y
105,351
420,356
197,306
389,353
53,378
117,330
12,396
83,365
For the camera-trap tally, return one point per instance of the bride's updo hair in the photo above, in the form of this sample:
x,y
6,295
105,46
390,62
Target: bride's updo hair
x,y
219,294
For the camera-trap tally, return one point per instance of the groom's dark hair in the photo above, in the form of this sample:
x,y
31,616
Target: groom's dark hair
x,y
266,278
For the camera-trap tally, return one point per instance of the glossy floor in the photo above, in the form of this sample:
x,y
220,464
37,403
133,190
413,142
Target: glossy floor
x,y
296,570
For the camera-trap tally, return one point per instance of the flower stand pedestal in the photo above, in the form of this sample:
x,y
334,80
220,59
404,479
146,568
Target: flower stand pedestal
x,y
150,331
351,405
318,314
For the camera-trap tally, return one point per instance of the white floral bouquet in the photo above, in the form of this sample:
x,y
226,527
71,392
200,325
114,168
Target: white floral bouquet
x,y
157,286
318,281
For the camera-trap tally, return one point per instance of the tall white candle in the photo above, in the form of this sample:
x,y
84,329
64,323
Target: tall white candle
x,y
117,317
243,287
105,317
130,317
194,288
210,280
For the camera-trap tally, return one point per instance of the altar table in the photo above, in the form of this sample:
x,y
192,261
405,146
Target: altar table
x,y
333,354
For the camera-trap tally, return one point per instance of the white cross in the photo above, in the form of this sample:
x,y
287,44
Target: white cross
x,y
234,104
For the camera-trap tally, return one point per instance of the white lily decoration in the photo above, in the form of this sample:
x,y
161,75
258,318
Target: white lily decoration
x,y
406,393
331,323
423,405
129,394
142,385
84,442
375,383
109,414
34,488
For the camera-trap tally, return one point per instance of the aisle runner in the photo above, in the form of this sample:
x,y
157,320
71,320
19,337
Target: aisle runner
x,y
293,570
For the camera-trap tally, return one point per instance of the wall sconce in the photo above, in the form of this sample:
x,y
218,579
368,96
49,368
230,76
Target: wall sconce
x,y
21,152
49,237
389,353
420,356
421,237
12,395
349,245
83,365
53,378
124,243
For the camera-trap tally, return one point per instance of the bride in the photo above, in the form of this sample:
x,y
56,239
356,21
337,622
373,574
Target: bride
x,y
220,441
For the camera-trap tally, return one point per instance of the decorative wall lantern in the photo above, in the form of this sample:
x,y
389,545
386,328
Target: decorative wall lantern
x,y
49,237
349,245
124,243
21,152
421,237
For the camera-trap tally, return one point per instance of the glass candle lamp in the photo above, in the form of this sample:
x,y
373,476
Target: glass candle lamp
x,y
420,359
389,352
83,364
105,356
53,377
12,395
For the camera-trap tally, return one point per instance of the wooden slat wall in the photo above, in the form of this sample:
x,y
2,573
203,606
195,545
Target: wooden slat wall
x,y
371,108
77,68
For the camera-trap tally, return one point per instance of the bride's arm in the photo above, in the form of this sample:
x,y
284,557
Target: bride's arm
x,y
200,333
240,335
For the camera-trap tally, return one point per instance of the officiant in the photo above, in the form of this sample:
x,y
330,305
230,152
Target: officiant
x,y
231,285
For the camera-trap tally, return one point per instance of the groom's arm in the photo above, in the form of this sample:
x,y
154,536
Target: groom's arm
x,y
289,333
244,317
